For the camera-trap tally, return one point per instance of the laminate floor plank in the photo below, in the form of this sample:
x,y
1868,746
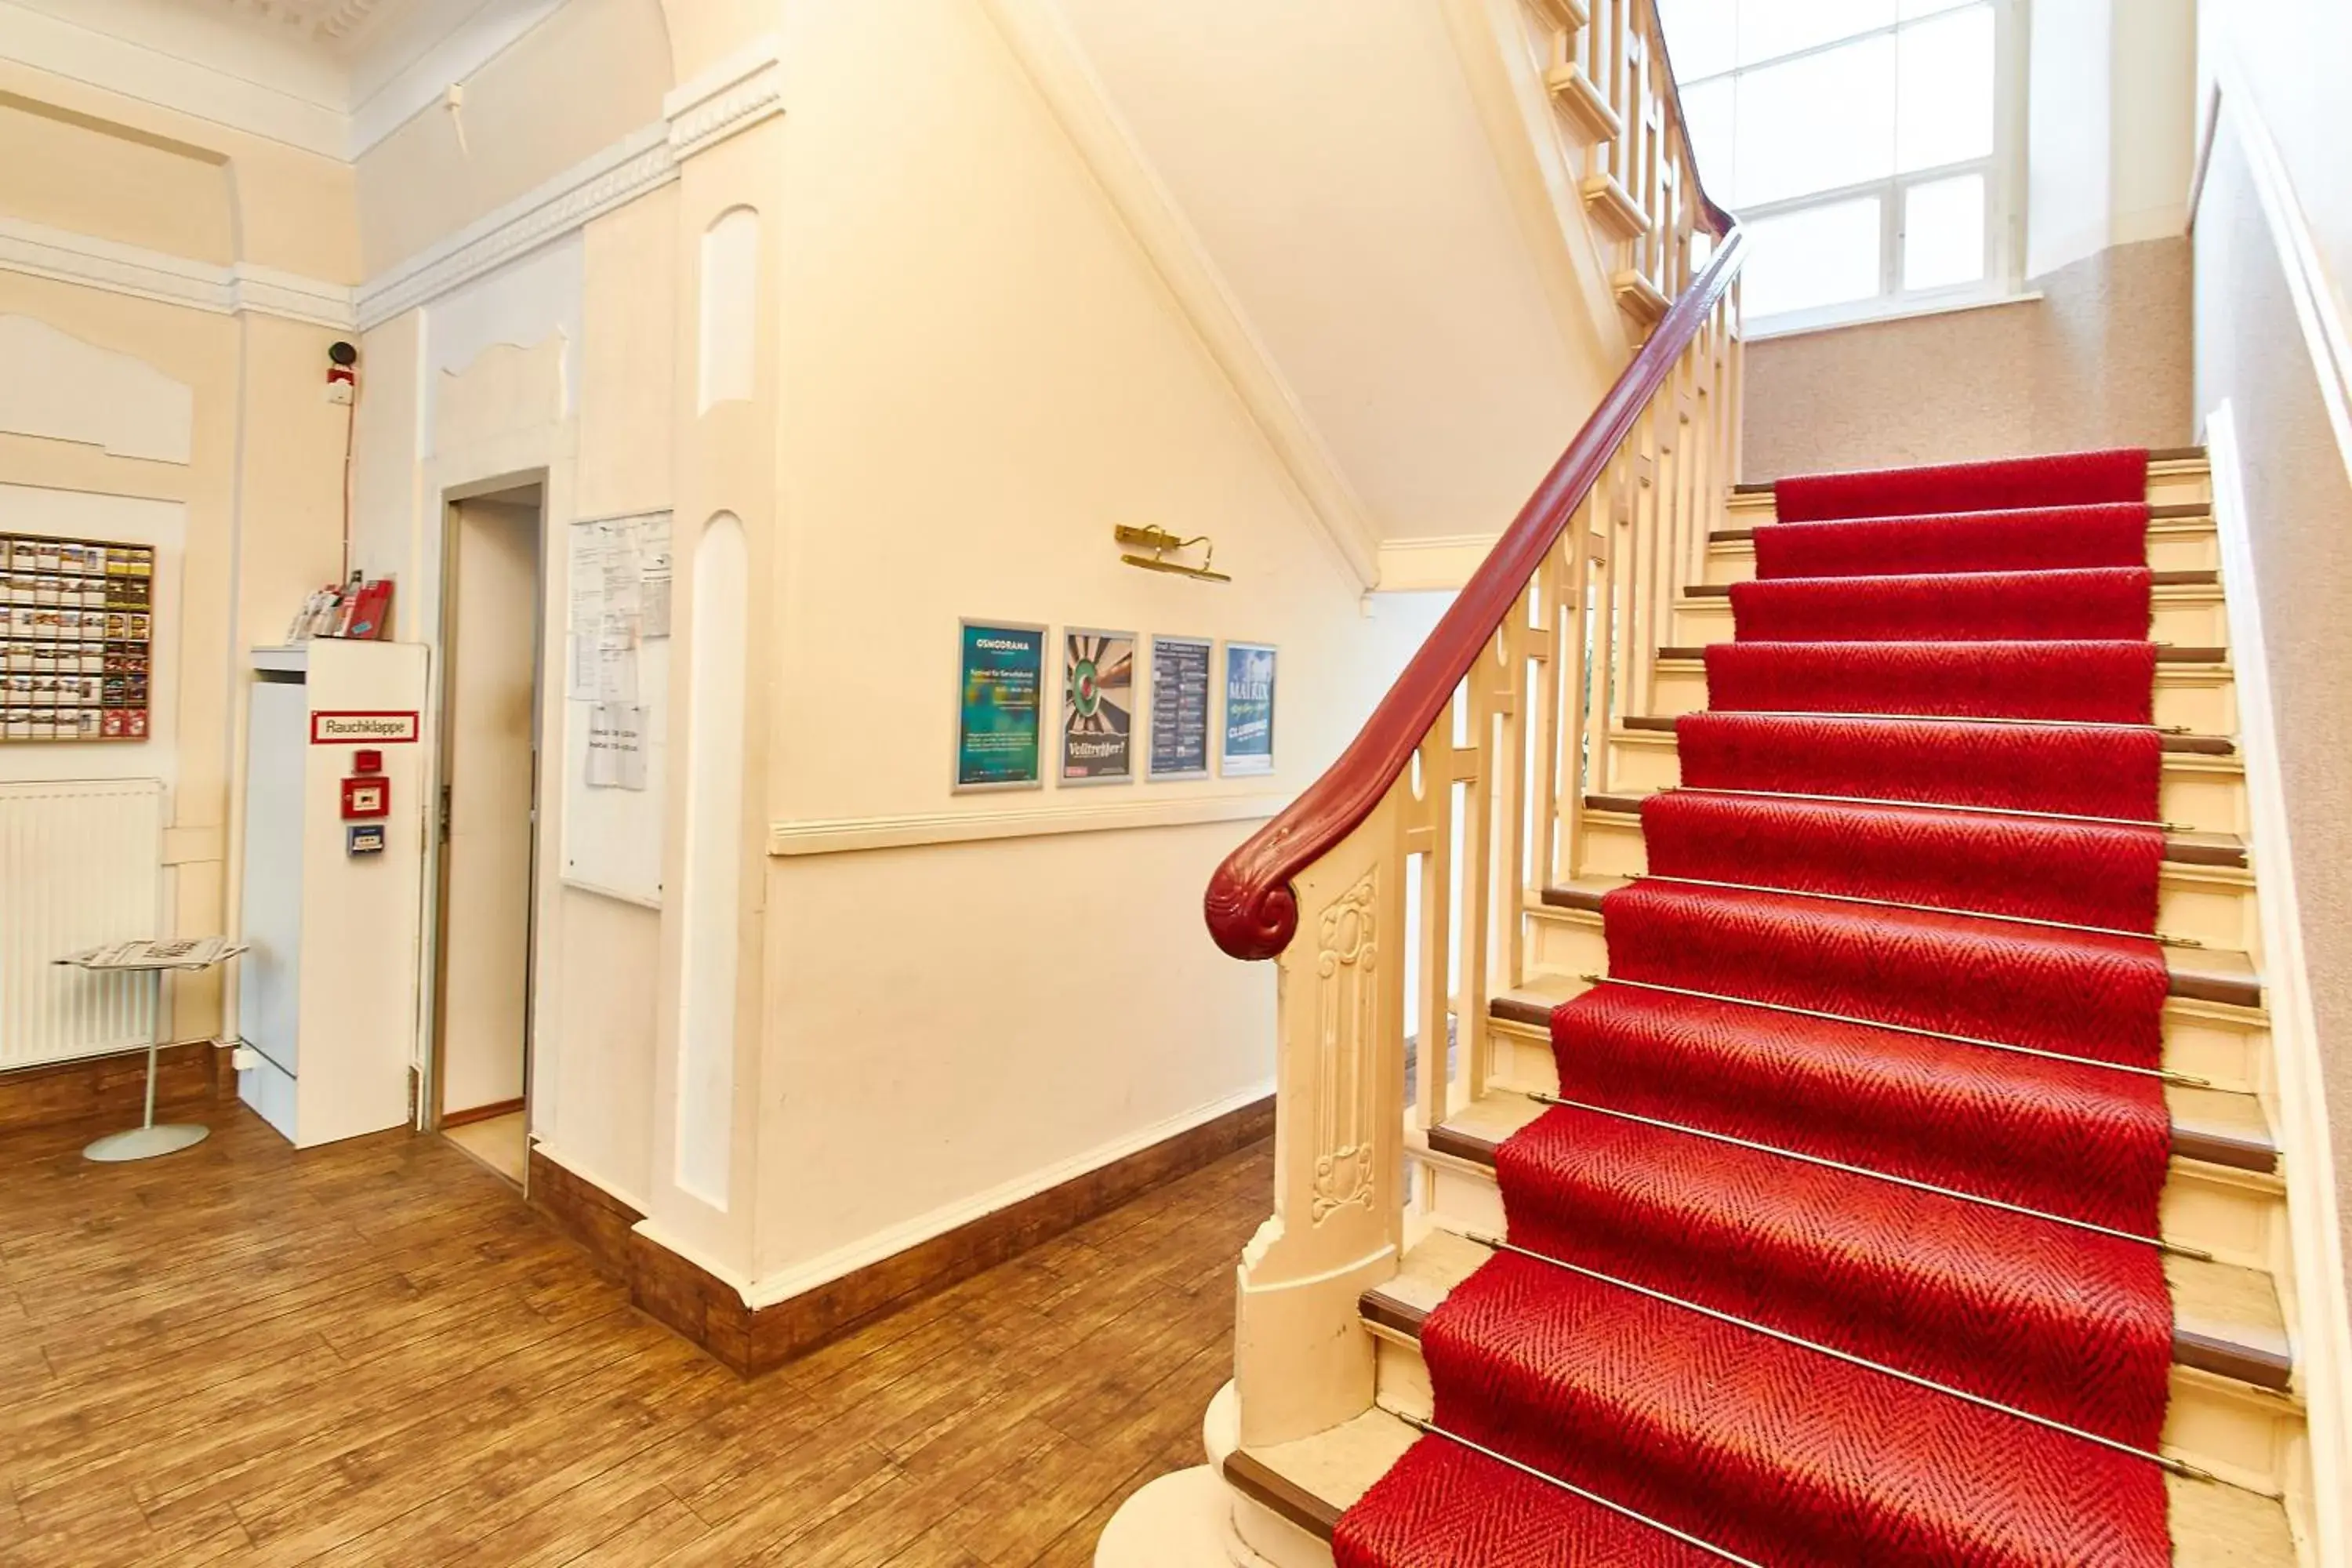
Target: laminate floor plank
x,y
242,1355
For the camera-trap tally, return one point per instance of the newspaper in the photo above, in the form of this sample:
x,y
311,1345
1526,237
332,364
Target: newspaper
x,y
184,953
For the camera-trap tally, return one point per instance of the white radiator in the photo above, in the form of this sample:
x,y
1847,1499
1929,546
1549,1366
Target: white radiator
x,y
80,864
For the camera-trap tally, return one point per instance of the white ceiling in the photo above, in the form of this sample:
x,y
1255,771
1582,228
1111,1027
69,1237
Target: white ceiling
x,y
329,21
332,76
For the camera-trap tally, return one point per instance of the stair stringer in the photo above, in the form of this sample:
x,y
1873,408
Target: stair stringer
x,y
2313,1288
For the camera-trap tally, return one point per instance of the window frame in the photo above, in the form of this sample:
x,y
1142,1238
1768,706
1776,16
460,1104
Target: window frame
x,y
2004,175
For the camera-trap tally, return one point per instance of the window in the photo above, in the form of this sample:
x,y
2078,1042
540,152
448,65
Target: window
x,y
1866,144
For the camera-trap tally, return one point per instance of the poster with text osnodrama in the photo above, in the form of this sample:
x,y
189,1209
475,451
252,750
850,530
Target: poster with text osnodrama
x,y
999,706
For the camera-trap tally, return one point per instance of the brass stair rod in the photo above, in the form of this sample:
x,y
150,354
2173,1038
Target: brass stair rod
x,y
2173,1247
1926,806
1944,719
2162,1461
1431,1429
2169,1075
2157,937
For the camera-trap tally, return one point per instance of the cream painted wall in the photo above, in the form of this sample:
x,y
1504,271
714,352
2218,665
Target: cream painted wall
x,y
287,209
982,375
91,177
594,1111
2290,55
1331,156
262,486
589,75
2111,122
261,518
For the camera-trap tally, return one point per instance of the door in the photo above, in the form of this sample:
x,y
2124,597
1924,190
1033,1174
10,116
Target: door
x,y
490,726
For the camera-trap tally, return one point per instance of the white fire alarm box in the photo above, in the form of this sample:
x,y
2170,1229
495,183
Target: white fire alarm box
x,y
334,855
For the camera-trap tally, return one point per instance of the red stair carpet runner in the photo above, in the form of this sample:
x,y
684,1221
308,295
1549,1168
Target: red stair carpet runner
x,y
1689,1437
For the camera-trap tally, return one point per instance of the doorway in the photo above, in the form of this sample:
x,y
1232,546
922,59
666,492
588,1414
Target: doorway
x,y
491,588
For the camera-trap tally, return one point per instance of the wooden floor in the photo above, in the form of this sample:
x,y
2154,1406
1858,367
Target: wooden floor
x,y
373,1353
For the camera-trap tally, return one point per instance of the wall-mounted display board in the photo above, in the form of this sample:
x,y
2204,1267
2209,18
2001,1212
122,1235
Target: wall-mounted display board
x,y
76,643
999,706
1249,708
1097,707
617,593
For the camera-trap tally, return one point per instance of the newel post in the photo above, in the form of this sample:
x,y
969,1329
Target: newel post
x,y
1302,1361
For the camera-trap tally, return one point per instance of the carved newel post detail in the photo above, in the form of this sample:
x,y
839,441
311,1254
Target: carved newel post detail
x,y
1302,1361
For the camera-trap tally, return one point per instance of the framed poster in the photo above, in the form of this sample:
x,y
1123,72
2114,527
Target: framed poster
x,y
1249,708
999,706
1097,707
1180,707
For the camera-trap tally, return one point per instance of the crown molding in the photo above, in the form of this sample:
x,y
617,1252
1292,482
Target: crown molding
x,y
34,251
612,178
736,94
265,292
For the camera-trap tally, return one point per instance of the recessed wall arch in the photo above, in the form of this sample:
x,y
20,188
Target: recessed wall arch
x,y
711,901
728,350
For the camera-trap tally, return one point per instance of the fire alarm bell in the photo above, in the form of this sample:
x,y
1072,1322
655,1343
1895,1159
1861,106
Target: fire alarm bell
x,y
366,796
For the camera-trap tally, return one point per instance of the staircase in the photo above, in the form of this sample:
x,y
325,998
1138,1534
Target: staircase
x,y
1855,1134
2228,1405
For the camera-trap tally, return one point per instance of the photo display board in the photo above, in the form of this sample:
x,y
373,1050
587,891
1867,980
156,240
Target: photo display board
x,y
76,646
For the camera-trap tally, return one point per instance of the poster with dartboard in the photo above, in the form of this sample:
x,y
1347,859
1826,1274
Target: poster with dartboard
x,y
1097,707
77,639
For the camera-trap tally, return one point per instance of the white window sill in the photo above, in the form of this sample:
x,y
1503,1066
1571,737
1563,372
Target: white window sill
x,y
1870,312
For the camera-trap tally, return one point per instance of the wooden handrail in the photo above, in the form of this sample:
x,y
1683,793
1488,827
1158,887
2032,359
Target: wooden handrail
x,y
1252,910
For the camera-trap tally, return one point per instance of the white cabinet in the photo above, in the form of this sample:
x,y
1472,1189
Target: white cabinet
x,y
328,993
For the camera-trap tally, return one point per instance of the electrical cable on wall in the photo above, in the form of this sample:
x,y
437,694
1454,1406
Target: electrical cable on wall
x,y
342,377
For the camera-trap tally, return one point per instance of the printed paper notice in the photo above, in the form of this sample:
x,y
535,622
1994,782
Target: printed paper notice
x,y
653,574
616,746
585,576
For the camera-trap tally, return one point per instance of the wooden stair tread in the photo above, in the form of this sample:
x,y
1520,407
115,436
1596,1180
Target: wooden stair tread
x,y
2164,655
2163,580
2179,511
1311,1482
2205,745
2200,974
2226,1320
2181,849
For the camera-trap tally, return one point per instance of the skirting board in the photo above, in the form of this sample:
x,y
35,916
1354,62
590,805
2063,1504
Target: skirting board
x,y
701,1307
113,1085
472,1114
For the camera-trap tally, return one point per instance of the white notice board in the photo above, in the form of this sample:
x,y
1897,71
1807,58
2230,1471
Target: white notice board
x,y
616,648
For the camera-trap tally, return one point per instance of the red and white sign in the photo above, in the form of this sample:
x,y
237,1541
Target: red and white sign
x,y
363,729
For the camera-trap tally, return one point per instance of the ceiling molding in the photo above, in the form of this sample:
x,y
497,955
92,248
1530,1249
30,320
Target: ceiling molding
x,y
34,251
353,98
734,95
617,175
135,69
